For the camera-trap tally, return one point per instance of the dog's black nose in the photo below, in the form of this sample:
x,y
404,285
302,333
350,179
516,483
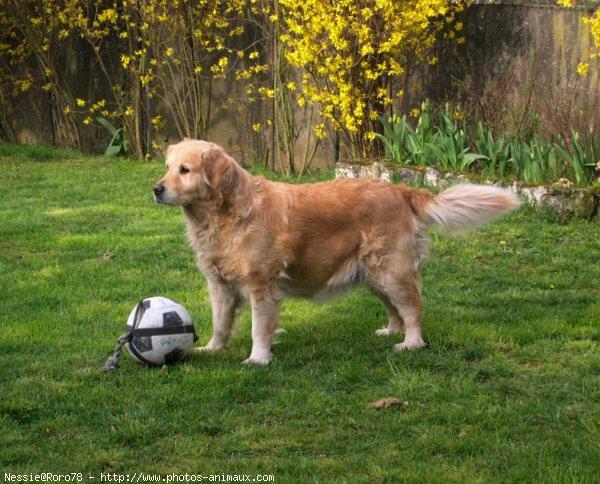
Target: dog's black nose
x,y
159,188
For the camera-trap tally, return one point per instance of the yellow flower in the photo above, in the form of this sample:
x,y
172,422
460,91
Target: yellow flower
x,y
320,131
67,110
169,52
80,102
125,60
87,121
565,3
415,112
145,80
108,15
266,92
256,128
582,68
129,111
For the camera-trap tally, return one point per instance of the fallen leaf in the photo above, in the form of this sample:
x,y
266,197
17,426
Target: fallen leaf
x,y
107,256
387,402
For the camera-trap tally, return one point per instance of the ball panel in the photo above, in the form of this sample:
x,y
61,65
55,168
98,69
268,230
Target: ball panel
x,y
174,356
147,358
142,343
171,318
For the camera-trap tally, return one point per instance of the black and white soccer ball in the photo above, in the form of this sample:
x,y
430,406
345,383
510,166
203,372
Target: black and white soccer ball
x,y
161,330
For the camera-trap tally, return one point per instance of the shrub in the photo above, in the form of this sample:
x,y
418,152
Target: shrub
x,y
355,54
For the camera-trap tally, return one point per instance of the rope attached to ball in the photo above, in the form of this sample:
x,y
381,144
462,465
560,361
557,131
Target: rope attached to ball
x,y
113,362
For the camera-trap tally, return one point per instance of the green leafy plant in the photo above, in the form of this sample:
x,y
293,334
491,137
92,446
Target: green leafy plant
x,y
119,145
496,152
523,162
450,146
579,161
546,159
393,137
420,139
452,155
534,161
405,144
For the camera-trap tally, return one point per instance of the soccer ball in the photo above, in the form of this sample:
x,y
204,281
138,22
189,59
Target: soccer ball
x,y
162,331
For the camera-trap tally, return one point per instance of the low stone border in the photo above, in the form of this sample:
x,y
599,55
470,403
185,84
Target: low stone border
x,y
561,198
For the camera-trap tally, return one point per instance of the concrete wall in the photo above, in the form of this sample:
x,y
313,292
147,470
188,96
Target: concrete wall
x,y
520,57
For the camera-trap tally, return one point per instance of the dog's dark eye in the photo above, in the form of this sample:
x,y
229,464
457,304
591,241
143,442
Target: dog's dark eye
x,y
183,170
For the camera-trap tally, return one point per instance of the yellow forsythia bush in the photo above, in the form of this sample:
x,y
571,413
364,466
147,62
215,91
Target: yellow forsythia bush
x,y
355,53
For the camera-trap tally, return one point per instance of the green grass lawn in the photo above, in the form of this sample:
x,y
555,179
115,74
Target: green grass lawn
x,y
508,389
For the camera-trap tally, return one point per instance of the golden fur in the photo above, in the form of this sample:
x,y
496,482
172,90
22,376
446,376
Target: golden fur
x,y
264,240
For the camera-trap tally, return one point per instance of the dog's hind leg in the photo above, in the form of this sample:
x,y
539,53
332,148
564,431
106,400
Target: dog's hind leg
x,y
403,292
395,323
225,302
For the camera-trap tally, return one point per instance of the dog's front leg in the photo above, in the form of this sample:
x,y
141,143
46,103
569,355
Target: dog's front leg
x,y
224,300
265,310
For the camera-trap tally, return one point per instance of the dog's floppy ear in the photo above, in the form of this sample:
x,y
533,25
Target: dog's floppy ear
x,y
219,168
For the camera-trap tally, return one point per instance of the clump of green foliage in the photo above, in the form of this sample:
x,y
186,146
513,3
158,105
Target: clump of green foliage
x,y
442,138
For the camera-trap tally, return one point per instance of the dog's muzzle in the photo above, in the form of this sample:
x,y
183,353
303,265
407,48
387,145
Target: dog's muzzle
x,y
159,190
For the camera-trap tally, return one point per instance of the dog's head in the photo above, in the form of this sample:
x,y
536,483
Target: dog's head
x,y
196,170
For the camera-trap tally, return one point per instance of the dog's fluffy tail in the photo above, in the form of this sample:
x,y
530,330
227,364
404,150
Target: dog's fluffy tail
x,y
463,207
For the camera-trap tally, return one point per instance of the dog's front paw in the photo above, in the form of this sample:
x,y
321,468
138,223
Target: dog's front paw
x,y
410,345
210,347
256,361
386,332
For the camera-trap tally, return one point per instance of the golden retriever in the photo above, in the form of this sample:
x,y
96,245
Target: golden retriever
x,y
261,240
